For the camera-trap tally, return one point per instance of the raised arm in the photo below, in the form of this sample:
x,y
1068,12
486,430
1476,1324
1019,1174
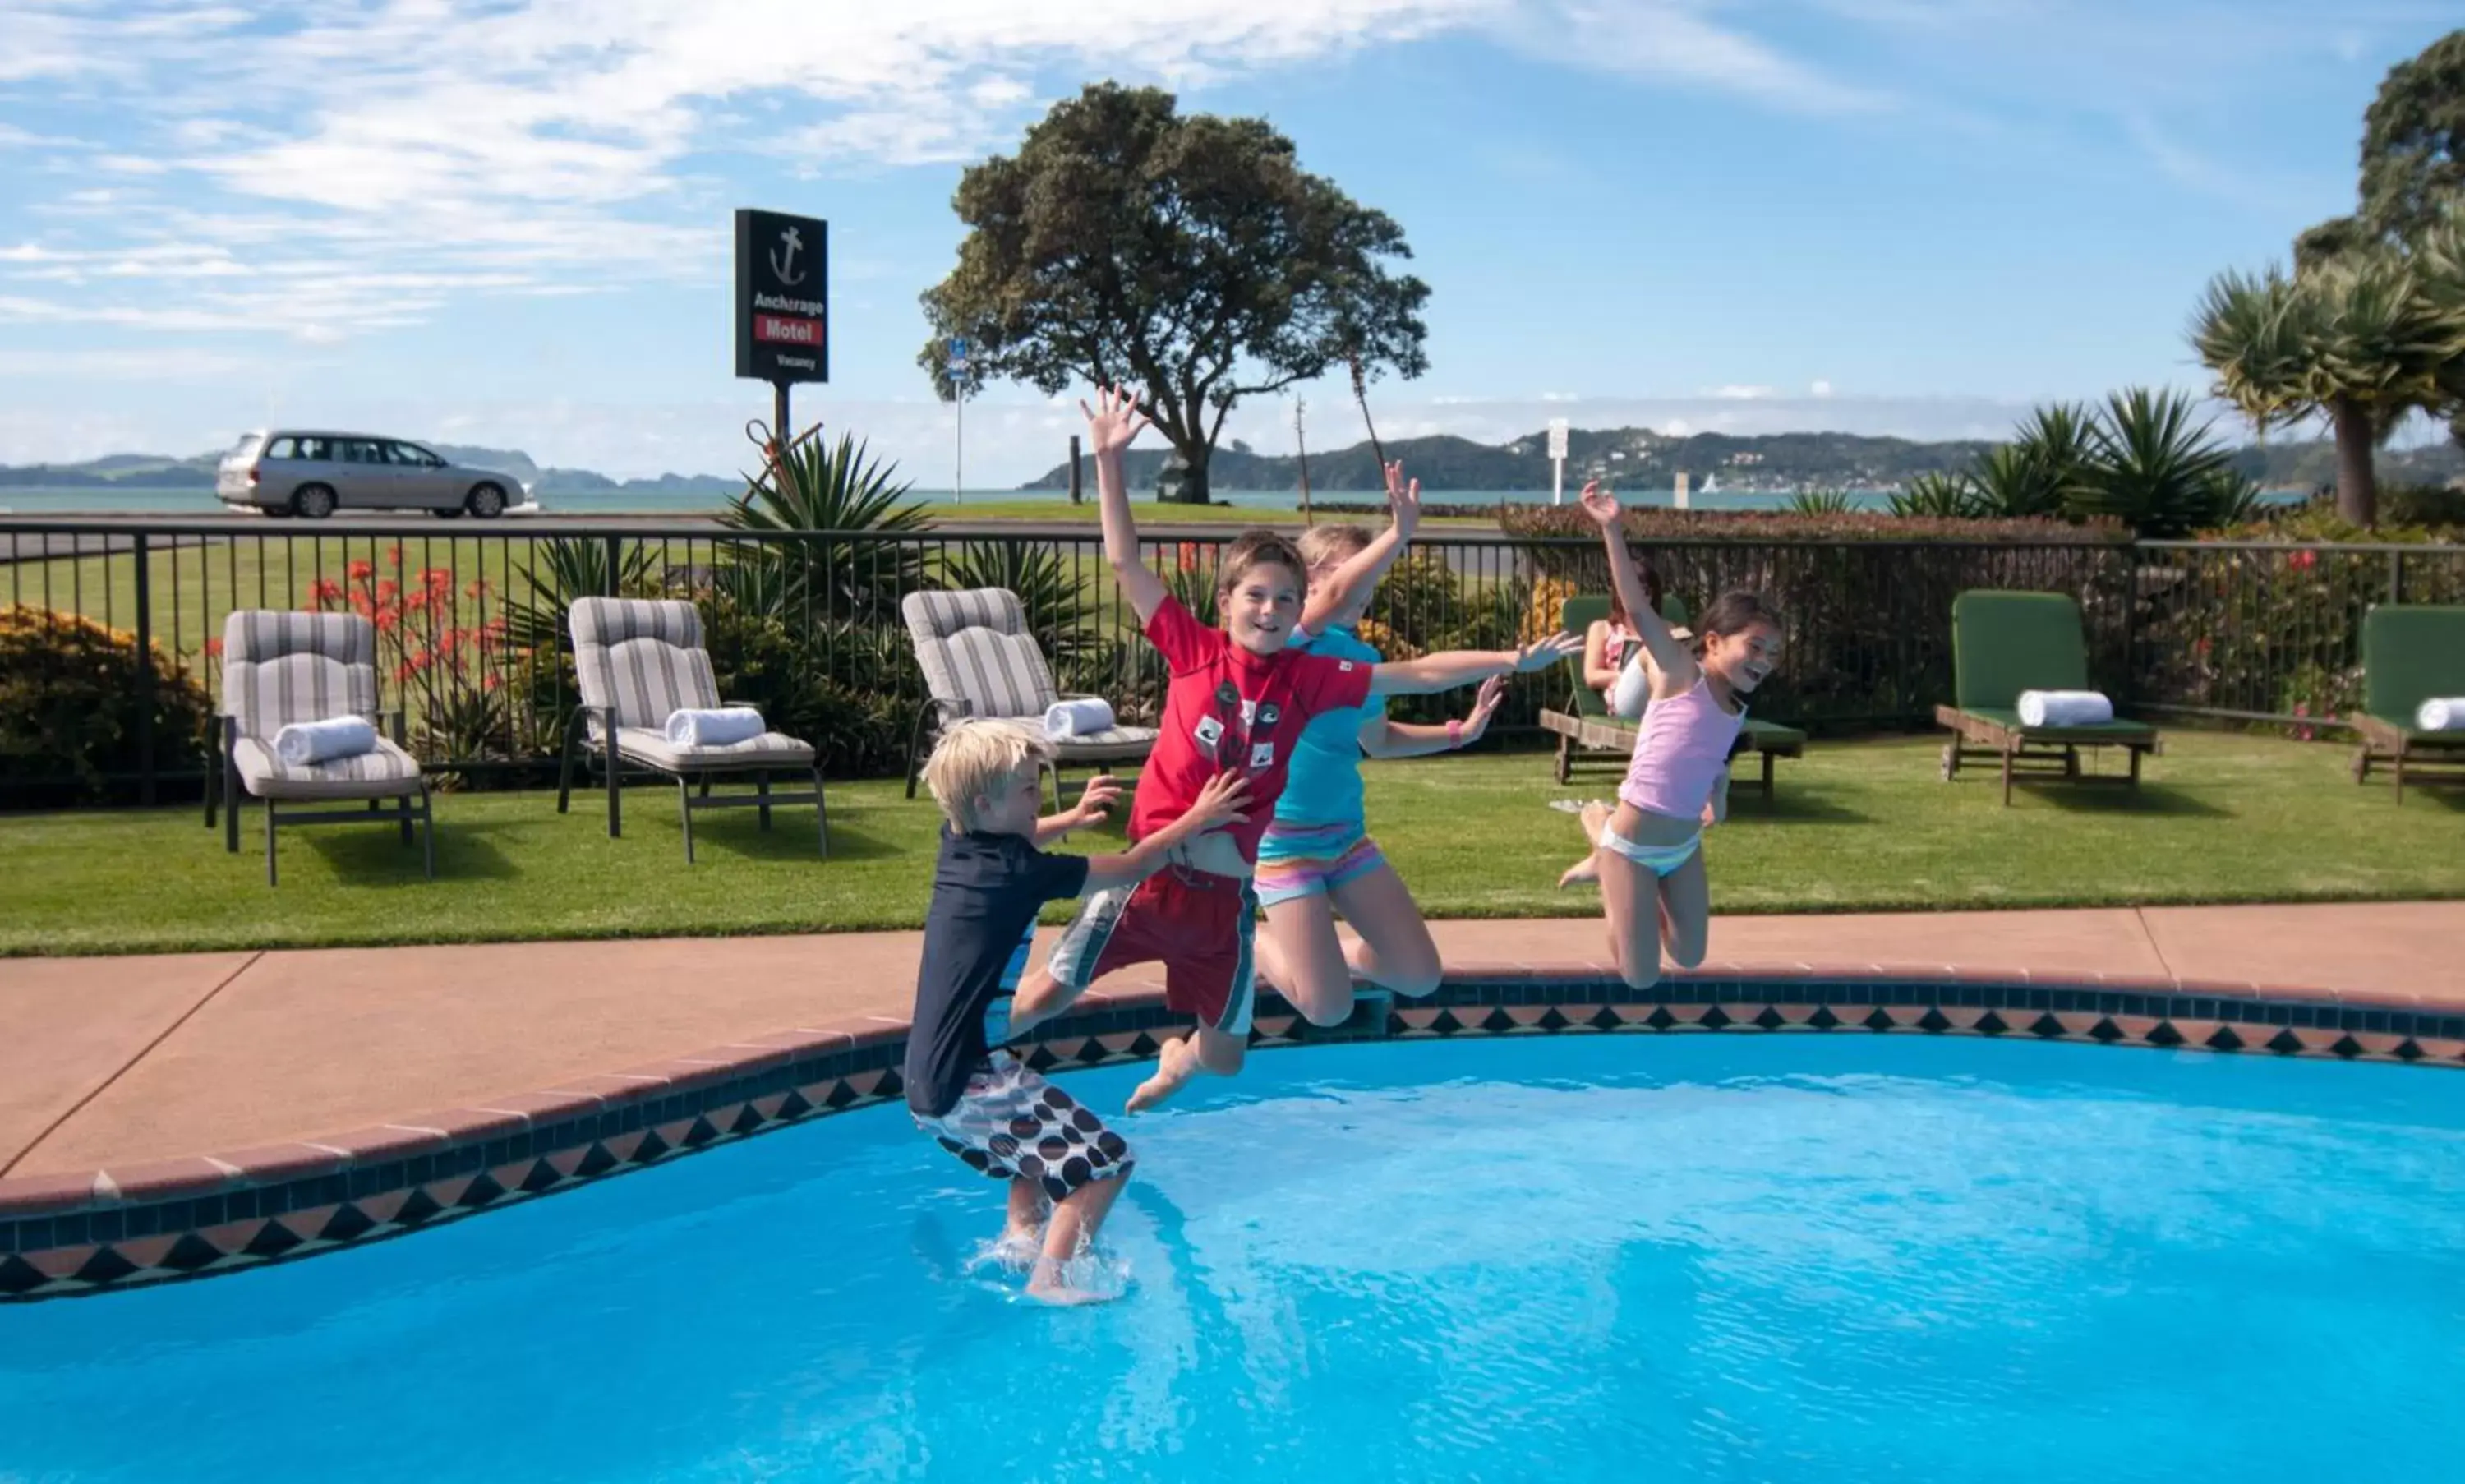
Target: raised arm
x,y
1369,563
1451,668
1381,738
1112,424
1671,657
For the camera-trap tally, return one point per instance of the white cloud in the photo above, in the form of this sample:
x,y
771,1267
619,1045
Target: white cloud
x,y
1743,393
1820,390
524,147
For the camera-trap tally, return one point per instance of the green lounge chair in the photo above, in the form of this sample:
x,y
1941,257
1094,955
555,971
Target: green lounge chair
x,y
2002,643
2411,653
1586,726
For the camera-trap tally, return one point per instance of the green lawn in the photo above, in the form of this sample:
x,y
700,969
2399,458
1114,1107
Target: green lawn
x,y
1857,825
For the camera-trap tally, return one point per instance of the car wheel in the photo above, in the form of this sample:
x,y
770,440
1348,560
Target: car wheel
x,y
487,501
312,501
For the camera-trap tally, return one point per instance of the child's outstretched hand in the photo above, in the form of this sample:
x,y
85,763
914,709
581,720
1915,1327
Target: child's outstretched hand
x,y
1484,705
1220,803
1549,652
1114,421
1095,800
1403,501
1599,504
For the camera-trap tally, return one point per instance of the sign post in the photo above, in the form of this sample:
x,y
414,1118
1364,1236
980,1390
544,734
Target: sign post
x,y
1557,460
958,418
783,306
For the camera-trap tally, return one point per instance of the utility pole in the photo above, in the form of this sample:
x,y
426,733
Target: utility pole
x,y
1301,441
958,418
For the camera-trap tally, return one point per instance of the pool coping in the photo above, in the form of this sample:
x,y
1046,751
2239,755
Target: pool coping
x,y
106,1229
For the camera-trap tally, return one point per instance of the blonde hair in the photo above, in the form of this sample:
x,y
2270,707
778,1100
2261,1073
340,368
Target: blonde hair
x,y
1321,544
976,758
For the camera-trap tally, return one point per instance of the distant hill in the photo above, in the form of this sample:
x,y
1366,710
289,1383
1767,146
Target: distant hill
x,y
1638,458
163,471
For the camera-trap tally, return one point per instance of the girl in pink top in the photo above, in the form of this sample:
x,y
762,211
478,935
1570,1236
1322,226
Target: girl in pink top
x,y
1648,852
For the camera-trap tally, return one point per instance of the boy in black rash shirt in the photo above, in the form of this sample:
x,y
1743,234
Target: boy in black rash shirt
x,y
984,1104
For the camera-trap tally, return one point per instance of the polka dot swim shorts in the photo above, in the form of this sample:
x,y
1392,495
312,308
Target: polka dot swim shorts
x,y
1012,1125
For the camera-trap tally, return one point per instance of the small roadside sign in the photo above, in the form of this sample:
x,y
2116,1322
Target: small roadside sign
x,y
1556,437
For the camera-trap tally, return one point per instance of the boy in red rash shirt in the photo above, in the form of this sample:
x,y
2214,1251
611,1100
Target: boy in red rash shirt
x,y
1237,703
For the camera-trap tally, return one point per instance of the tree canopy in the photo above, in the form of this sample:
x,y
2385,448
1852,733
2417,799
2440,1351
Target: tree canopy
x,y
2413,141
1187,255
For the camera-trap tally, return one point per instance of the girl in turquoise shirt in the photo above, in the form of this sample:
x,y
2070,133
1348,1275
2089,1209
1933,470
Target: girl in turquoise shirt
x,y
1317,858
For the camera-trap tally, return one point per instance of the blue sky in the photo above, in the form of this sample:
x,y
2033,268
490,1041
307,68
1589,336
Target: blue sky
x,y
505,221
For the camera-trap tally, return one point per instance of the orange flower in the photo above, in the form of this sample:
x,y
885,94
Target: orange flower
x,y
417,601
387,620
437,577
474,590
361,571
1189,555
393,555
214,649
388,591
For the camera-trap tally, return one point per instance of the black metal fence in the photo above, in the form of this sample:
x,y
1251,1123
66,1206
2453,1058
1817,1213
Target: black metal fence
x,y
473,644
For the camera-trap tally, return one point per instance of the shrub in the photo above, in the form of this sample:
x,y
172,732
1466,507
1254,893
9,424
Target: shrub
x,y
69,712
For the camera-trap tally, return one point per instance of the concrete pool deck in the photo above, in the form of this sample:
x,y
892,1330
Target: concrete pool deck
x,y
136,1063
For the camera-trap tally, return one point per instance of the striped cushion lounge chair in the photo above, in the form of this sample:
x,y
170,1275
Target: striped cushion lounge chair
x,y
981,663
637,661
282,668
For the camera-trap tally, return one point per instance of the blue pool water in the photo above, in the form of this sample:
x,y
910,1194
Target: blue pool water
x,y
1776,1258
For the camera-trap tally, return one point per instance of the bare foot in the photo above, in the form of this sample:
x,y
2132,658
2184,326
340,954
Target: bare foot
x,y
1050,1285
1175,1064
1018,1248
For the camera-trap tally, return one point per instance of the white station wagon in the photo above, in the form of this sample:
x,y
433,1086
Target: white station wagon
x,y
312,475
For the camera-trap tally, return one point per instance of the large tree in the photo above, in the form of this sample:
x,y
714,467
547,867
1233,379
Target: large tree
x,y
2362,339
2413,141
1188,256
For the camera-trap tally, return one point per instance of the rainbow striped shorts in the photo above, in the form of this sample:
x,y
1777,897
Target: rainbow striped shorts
x,y
1305,861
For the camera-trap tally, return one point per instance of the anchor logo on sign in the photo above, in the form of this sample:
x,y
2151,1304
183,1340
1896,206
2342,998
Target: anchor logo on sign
x,y
782,259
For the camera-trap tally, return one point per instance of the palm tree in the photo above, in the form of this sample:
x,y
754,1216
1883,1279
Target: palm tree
x,y
2354,338
877,557
2152,468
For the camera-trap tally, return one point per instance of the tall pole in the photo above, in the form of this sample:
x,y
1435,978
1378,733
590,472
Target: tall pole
x,y
958,441
1301,443
1073,468
782,430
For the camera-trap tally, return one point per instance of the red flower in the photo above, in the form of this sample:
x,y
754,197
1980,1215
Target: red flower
x,y
361,571
1189,555
387,620
491,681
474,590
214,649
415,603
388,591
324,590
393,555
437,577
2306,560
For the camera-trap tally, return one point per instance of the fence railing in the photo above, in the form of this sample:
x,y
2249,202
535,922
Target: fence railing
x,y
474,648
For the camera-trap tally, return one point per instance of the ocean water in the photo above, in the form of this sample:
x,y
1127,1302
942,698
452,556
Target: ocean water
x,y
66,503
1797,1259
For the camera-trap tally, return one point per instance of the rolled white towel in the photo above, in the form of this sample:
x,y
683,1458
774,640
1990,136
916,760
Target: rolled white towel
x,y
714,728
2443,714
2064,708
304,743
1082,717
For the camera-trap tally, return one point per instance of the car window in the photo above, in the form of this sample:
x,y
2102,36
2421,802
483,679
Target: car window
x,y
317,449
361,451
413,456
284,447
246,444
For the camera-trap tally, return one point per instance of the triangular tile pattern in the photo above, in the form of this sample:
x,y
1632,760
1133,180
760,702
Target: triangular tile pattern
x,y
765,1099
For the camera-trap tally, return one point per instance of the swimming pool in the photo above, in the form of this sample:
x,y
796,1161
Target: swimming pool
x,y
1770,1257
